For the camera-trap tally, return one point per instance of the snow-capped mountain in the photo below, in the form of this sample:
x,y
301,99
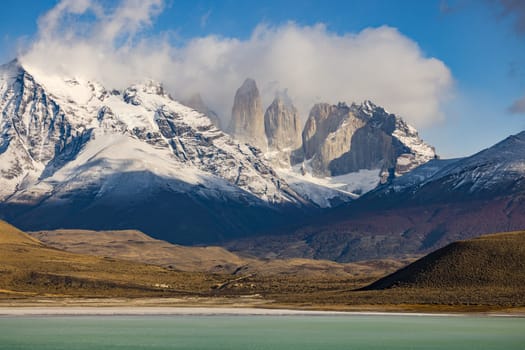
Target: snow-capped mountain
x,y
437,203
495,171
71,143
74,153
349,150
343,151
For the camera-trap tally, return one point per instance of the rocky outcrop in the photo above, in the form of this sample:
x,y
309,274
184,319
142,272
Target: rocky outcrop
x,y
327,136
282,124
247,121
197,103
341,139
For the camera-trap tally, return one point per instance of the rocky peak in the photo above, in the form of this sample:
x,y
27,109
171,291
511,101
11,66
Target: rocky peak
x,y
340,139
282,124
249,86
493,172
30,115
247,121
33,128
149,87
152,87
325,120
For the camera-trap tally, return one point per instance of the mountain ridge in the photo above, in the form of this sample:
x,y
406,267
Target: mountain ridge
x,y
70,148
75,154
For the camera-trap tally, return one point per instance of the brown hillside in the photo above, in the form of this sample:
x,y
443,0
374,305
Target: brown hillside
x,y
491,261
30,268
136,246
11,235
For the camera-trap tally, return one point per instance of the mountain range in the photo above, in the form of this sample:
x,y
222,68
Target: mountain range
x,y
355,183
435,204
74,154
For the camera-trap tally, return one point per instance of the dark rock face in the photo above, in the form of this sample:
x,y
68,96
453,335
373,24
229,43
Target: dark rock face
x,y
247,121
371,148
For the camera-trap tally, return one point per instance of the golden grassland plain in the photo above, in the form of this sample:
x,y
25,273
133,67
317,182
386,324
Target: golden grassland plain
x,y
32,273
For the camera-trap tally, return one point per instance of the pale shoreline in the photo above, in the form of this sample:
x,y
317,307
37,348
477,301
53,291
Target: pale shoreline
x,y
46,311
156,311
250,305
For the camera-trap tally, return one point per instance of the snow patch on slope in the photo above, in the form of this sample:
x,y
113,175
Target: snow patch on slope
x,y
330,190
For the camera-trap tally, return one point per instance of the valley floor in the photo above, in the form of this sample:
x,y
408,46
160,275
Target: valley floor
x,y
476,276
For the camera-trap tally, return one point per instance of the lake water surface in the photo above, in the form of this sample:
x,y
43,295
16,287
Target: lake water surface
x,y
261,332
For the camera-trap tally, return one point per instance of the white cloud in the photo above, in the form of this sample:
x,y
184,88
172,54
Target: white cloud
x,y
314,64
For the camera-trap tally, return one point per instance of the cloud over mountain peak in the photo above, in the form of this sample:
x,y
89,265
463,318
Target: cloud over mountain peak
x,y
111,44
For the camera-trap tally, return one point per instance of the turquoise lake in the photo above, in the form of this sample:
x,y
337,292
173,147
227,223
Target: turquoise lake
x,y
262,332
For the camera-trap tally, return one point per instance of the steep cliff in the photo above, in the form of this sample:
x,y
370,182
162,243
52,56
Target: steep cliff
x,y
247,121
341,139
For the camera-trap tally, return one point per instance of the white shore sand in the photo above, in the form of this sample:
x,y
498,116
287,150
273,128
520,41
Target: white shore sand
x,y
249,305
187,311
145,311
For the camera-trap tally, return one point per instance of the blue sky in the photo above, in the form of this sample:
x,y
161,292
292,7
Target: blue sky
x,y
479,41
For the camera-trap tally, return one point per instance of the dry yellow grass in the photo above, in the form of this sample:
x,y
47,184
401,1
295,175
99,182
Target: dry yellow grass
x,y
29,266
11,235
29,269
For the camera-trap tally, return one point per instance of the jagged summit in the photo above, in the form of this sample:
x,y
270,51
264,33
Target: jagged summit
x,y
282,95
343,151
47,116
353,140
11,68
339,139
